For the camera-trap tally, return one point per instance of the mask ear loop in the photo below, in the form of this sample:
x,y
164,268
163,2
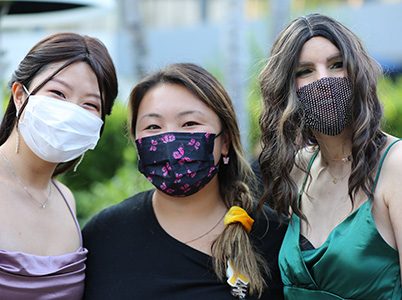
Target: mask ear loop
x,y
225,158
78,163
17,142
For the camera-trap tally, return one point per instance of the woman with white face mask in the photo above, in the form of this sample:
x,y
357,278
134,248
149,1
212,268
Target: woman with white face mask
x,y
60,94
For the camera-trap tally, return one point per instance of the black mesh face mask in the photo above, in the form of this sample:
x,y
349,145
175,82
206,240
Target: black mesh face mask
x,y
327,104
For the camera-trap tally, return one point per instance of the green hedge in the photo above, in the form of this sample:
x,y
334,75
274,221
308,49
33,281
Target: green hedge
x,y
390,92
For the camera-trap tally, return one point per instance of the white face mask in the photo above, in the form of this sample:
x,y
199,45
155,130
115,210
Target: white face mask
x,y
58,131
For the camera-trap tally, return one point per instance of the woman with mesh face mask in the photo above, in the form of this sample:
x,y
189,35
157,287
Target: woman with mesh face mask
x,y
328,166
60,94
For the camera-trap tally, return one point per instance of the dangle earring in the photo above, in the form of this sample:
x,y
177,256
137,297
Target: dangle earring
x,y
225,160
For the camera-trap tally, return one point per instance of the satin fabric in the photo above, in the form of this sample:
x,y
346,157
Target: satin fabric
x,y
353,263
25,276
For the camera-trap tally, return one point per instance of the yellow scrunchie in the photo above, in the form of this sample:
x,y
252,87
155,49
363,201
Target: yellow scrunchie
x,y
238,214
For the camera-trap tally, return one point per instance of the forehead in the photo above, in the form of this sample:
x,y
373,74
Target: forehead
x,y
168,98
47,70
78,75
318,48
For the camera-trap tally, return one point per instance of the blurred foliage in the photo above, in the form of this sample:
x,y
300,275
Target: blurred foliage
x,y
126,182
390,93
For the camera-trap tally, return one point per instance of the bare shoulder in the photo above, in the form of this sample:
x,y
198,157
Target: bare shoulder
x,y
392,169
66,193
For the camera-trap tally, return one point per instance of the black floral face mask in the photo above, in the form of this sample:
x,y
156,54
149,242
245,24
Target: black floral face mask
x,y
327,104
177,163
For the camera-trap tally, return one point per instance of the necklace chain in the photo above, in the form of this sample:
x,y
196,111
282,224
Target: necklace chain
x,y
336,179
207,232
11,169
344,159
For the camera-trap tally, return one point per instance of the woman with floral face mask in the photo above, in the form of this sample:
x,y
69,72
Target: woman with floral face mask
x,y
60,94
197,235
328,166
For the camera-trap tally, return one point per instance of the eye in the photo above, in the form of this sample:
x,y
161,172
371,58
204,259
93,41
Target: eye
x,y
92,105
337,65
58,94
190,123
152,127
302,72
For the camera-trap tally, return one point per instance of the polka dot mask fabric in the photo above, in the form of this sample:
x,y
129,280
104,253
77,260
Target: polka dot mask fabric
x,y
327,104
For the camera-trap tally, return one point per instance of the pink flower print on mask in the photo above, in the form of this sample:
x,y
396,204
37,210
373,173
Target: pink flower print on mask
x,y
191,174
167,138
164,188
178,177
211,170
166,169
194,143
179,153
184,159
185,188
153,145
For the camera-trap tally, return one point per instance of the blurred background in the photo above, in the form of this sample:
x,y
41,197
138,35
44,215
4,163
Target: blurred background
x,y
230,38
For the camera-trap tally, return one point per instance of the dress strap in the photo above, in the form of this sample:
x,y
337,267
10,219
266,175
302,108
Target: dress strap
x,y
71,212
381,163
310,163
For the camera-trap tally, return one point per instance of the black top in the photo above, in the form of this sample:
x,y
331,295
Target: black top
x,y
132,257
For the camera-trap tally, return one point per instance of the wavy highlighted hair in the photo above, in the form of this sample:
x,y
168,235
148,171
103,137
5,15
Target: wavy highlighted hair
x,y
283,131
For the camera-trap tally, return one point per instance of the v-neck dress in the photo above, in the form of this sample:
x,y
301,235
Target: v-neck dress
x,y
353,263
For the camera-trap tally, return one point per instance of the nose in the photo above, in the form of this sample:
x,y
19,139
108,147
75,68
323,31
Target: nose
x,y
173,128
322,72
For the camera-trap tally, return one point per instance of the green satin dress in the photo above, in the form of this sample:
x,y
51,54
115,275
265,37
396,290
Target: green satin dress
x,y
353,263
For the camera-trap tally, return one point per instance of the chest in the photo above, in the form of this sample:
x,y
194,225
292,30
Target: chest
x,y
26,227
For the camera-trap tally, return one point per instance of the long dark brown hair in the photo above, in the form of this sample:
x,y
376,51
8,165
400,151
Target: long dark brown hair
x,y
234,179
68,48
282,123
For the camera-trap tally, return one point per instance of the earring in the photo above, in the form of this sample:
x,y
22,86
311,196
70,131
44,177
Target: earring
x,y
225,160
17,141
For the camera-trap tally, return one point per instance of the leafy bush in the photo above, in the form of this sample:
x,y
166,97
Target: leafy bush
x,y
390,92
126,182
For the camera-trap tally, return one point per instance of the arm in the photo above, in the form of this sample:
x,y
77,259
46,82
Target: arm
x,y
393,196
